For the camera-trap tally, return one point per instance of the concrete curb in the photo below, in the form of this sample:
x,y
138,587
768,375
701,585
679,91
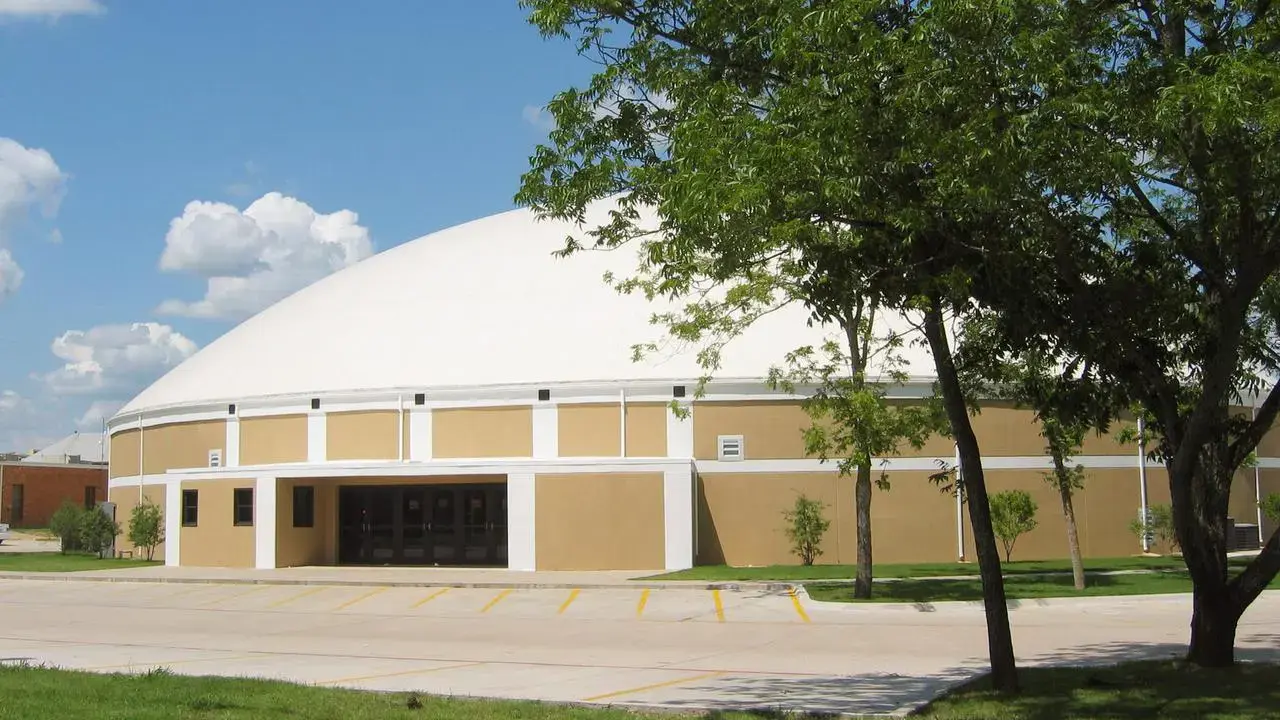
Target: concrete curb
x,y
780,587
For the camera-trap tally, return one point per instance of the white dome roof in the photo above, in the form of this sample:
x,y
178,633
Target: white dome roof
x,y
480,304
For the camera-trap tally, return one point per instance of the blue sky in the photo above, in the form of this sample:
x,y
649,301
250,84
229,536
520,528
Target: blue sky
x,y
116,114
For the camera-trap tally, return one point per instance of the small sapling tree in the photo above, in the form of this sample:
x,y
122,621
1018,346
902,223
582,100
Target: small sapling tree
x,y
1013,514
805,527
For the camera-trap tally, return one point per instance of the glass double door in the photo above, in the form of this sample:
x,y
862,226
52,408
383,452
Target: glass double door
x,y
423,525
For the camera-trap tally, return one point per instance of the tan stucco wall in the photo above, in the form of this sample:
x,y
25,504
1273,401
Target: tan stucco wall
x,y
181,445
315,545
1104,509
126,499
646,430
769,430
590,430
217,541
268,440
124,453
740,516
482,432
363,435
599,522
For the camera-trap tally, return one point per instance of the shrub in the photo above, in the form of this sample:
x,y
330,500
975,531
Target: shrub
x,y
1271,507
146,527
65,523
806,528
97,531
1158,527
1013,513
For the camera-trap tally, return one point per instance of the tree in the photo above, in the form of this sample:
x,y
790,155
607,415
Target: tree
x,y
1157,526
753,133
1271,508
65,523
1013,514
146,527
805,528
1054,394
97,531
851,418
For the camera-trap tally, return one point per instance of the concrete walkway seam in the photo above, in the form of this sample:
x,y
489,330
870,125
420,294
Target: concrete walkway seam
x,y
485,585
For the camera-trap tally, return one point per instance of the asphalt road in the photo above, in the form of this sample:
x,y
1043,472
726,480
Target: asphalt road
x,y
672,648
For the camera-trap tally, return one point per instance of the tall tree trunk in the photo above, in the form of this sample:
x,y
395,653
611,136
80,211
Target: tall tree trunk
x,y
1062,478
1004,670
1073,536
862,505
1200,502
1213,628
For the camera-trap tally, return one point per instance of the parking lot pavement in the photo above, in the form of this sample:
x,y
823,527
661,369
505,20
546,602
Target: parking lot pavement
x,y
21,543
670,648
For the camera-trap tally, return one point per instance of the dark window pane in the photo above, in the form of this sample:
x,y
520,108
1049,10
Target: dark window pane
x,y
16,501
90,497
190,507
304,506
244,506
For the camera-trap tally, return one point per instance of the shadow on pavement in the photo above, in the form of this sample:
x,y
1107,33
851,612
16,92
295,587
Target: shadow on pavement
x,y
772,696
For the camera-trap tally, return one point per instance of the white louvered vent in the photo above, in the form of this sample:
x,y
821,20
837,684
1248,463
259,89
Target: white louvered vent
x,y
729,447
215,458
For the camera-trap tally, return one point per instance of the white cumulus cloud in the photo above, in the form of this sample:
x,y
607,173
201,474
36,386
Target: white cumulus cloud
x,y
29,178
10,274
250,259
49,8
538,117
115,357
98,412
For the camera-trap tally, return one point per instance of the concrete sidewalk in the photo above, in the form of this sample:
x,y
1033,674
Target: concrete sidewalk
x,y
399,577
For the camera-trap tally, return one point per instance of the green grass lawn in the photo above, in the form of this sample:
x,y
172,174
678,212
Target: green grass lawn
x,y
1135,690
1161,689
41,694
725,573
1016,588
57,562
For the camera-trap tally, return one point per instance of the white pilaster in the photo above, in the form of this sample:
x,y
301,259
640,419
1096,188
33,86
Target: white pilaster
x,y
420,433
521,535
264,523
317,437
677,504
231,453
680,433
546,430
172,524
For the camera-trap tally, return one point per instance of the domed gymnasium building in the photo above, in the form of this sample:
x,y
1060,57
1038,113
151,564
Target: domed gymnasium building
x,y
468,399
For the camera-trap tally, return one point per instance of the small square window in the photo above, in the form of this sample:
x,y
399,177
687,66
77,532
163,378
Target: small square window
x,y
244,506
304,506
190,508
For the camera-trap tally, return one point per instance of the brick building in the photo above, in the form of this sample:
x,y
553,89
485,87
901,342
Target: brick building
x,y
32,488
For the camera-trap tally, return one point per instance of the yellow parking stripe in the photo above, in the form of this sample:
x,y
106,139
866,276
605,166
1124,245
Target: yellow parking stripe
x,y
572,596
362,598
419,671
654,686
795,600
496,600
299,596
429,598
719,605
644,600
